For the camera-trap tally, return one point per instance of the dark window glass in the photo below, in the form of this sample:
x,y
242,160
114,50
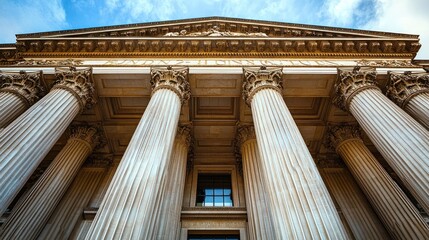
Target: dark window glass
x,y
213,237
214,190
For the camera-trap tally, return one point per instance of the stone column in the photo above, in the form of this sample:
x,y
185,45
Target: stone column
x,y
171,206
68,211
259,217
398,214
26,141
357,211
130,207
402,141
18,91
30,215
411,93
300,203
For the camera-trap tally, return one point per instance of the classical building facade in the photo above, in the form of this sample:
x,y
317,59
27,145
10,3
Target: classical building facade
x,y
214,128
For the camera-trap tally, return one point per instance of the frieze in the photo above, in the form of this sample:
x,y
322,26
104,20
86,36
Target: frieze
x,y
44,62
386,63
214,32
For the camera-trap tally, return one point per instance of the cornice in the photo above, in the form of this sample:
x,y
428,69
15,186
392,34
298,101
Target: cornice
x,y
217,47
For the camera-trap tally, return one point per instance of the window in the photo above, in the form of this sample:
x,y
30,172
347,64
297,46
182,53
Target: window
x,y
213,237
214,190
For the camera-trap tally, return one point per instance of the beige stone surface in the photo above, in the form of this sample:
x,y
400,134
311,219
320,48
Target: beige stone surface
x,y
418,107
11,106
259,220
361,218
49,189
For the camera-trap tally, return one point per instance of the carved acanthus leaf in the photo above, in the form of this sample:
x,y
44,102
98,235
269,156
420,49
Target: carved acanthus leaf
x,y
85,133
67,62
385,63
255,80
184,134
403,87
26,85
173,79
337,134
352,81
77,81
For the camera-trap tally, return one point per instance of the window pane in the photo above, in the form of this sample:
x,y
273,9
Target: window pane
x,y
213,189
208,202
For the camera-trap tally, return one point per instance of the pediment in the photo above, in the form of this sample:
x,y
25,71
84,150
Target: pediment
x,y
225,27
217,37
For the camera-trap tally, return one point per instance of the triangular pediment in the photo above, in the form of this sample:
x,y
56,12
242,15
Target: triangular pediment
x,y
217,37
216,27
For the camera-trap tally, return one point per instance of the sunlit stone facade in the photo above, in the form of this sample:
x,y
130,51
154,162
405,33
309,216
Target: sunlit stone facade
x,y
214,128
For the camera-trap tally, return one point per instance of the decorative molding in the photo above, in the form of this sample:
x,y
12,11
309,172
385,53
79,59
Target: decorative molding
x,y
351,82
174,79
184,134
255,80
87,134
403,87
26,85
77,81
44,62
386,63
339,134
219,46
214,32
245,132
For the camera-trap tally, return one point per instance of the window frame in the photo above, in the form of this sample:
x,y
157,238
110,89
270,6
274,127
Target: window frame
x,y
213,169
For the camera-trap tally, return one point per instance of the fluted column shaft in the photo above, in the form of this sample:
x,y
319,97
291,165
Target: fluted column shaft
x,y
18,91
11,106
171,206
130,207
410,91
69,210
300,203
399,215
259,217
26,141
30,215
418,107
402,141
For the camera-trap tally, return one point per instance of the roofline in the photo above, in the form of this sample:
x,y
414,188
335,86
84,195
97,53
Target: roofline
x,y
215,18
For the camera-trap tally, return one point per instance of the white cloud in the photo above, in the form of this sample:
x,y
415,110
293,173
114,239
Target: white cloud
x,y
339,12
29,16
404,16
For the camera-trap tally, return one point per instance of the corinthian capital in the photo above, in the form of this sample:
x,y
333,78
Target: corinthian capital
x,y
255,80
78,82
26,85
184,134
244,133
351,82
87,134
174,79
338,134
402,87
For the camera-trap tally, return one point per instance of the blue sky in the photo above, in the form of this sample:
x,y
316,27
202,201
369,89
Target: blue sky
x,y
27,16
